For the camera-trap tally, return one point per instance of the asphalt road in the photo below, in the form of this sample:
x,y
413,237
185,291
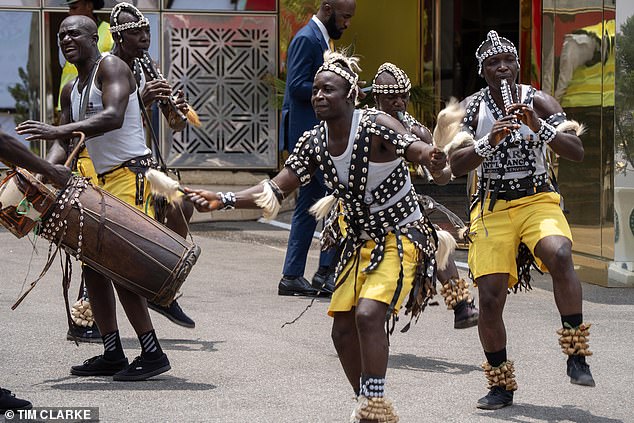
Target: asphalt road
x,y
240,365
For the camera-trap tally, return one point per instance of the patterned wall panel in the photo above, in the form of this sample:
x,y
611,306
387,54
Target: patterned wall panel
x,y
221,63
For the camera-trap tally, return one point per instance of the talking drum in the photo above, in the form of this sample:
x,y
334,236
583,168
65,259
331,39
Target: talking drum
x,y
119,241
24,202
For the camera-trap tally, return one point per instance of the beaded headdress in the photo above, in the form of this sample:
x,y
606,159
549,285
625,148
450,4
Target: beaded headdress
x,y
497,45
123,6
403,84
344,66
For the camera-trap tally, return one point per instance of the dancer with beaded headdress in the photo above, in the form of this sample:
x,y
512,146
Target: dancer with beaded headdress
x,y
131,31
516,218
391,87
389,244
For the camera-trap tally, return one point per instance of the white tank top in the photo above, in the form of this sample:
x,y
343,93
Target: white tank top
x,y
516,166
115,147
377,173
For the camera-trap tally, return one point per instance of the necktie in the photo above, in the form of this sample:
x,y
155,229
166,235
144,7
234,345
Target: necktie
x,y
331,45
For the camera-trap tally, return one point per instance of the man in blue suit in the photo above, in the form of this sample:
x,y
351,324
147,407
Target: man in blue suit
x,y
304,57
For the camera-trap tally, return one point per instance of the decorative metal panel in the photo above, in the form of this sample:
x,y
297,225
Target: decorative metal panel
x,y
222,63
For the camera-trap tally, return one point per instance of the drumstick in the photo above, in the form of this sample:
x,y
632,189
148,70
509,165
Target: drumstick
x,y
77,148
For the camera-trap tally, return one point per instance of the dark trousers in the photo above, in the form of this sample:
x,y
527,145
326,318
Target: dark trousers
x,y
303,226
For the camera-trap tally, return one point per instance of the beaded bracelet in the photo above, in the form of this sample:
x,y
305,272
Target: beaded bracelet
x,y
546,132
483,148
228,200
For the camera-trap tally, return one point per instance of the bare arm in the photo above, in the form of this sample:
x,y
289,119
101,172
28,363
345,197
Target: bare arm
x,y
439,169
204,200
117,83
418,152
567,144
14,152
465,159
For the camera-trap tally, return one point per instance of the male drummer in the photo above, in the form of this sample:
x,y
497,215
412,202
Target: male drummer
x,y
111,119
12,152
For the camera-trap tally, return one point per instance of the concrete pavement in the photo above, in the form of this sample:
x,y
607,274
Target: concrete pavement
x,y
240,365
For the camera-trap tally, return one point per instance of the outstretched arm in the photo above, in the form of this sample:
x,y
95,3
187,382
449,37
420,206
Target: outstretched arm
x,y
205,201
416,151
14,152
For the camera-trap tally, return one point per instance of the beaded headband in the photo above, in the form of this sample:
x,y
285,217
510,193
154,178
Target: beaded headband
x,y
403,84
123,6
498,45
349,74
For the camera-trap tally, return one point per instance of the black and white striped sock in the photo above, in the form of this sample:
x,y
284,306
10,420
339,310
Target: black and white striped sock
x,y
150,347
112,349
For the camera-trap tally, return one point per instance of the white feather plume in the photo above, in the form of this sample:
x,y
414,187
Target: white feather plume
x,y
462,139
446,246
267,201
162,184
448,123
323,206
572,125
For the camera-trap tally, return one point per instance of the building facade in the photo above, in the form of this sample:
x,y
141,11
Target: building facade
x,y
228,57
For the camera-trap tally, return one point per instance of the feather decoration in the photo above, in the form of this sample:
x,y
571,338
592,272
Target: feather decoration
x,y
448,123
192,117
323,206
446,246
268,202
162,184
572,125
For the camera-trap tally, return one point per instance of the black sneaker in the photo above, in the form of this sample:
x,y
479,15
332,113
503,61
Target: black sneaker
x,y
84,334
579,371
497,397
465,315
174,312
143,369
99,366
9,401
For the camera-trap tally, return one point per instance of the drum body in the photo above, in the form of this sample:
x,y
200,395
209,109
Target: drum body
x,y
24,202
120,242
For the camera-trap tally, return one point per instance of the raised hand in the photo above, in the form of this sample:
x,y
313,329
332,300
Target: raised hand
x,y
525,114
156,90
502,128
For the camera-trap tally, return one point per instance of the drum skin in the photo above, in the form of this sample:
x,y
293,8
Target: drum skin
x,y
24,202
120,242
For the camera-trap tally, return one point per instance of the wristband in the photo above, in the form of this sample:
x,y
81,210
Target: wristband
x,y
228,200
483,148
546,132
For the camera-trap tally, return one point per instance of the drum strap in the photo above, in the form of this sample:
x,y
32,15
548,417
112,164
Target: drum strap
x,y
49,262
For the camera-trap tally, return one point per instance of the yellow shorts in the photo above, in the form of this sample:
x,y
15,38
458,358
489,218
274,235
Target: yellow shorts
x,y
497,235
379,284
122,184
86,168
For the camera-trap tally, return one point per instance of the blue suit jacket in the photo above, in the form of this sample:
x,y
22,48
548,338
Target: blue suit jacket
x,y
305,55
